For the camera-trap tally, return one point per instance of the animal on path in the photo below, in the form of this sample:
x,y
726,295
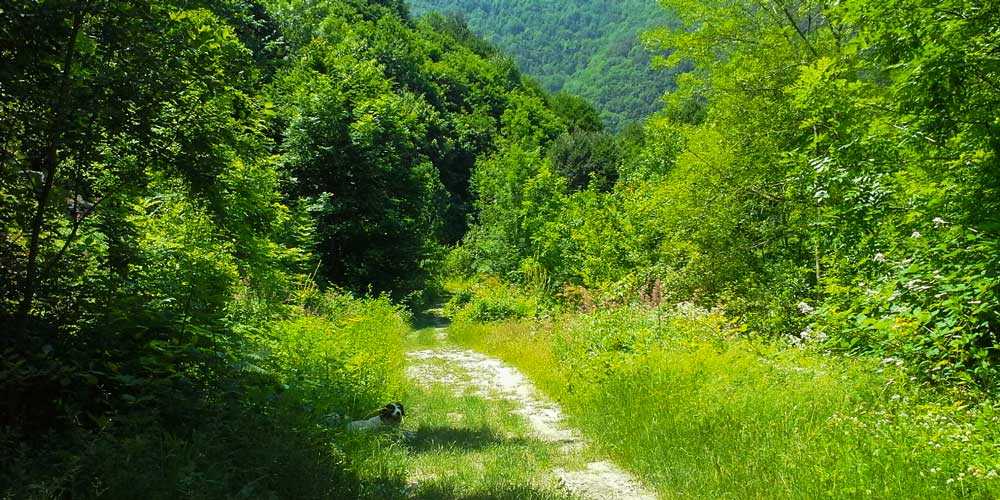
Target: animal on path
x,y
391,415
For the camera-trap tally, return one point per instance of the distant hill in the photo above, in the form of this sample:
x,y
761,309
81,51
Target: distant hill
x,y
585,47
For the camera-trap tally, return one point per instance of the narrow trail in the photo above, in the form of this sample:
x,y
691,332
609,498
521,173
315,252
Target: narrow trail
x,y
491,378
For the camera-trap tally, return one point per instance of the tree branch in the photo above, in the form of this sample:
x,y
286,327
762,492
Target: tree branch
x,y
49,164
798,30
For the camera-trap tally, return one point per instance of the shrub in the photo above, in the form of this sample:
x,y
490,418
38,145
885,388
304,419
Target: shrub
x,y
492,300
347,360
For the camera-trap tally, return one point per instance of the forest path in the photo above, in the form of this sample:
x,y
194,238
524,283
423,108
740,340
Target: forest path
x,y
569,466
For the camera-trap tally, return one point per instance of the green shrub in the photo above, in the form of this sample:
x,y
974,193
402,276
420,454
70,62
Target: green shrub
x,y
931,300
348,361
249,420
492,300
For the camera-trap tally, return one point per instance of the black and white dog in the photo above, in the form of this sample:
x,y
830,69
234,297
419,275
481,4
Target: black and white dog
x,y
390,415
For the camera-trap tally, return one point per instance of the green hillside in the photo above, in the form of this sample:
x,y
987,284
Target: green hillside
x,y
588,48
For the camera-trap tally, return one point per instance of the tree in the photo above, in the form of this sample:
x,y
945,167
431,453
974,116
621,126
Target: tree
x,y
78,97
587,160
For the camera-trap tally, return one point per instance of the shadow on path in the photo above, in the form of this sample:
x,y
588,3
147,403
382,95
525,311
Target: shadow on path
x,y
438,490
430,318
429,439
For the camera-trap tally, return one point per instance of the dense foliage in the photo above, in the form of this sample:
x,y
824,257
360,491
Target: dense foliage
x,y
588,48
208,207
179,179
826,174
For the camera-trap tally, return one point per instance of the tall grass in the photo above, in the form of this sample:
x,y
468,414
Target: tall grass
x,y
697,411
260,430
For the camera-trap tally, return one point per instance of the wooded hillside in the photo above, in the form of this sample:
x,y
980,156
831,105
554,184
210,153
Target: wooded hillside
x,y
589,48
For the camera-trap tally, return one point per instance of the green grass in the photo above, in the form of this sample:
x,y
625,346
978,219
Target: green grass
x,y
690,408
696,412
250,426
270,438
468,447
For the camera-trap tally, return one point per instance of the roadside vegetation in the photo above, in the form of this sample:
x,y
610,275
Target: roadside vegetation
x,y
826,174
217,218
251,420
697,410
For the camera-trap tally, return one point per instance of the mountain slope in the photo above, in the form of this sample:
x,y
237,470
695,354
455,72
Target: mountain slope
x,y
589,48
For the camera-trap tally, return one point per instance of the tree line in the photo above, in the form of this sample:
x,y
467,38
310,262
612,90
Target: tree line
x,y
826,174
587,48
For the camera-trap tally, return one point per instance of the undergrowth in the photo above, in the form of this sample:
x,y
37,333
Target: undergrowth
x,y
260,426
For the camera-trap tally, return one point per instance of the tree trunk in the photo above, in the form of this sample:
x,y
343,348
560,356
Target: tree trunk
x,y
49,164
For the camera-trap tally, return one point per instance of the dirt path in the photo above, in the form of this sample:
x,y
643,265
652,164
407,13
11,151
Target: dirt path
x,y
491,378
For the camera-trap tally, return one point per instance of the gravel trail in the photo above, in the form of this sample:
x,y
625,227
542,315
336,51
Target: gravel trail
x,y
492,378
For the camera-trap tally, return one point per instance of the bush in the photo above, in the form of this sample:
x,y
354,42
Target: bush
x,y
349,360
931,300
492,300
245,421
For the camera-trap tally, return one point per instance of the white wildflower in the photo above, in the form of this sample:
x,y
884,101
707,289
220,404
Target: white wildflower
x,y
880,258
805,308
807,334
916,234
938,222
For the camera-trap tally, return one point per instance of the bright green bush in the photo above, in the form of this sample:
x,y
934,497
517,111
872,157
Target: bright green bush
x,y
347,359
491,300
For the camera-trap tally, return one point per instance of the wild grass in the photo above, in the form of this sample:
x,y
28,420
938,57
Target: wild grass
x,y
258,429
699,412
464,446
266,432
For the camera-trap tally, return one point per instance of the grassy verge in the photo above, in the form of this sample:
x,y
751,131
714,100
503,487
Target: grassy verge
x,y
697,412
462,446
249,425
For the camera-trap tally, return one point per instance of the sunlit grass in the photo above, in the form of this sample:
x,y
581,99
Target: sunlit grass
x,y
464,446
731,418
